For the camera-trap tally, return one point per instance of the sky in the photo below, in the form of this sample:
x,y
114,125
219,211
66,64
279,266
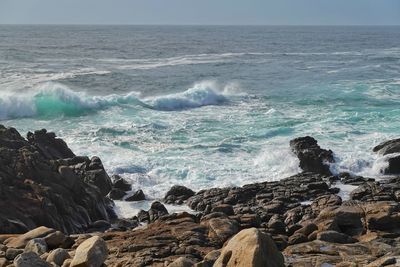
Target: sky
x,y
201,12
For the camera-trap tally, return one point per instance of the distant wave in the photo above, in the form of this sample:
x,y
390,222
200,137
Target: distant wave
x,y
53,99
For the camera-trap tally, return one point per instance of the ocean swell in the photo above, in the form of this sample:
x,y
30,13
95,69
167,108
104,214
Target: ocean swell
x,y
54,99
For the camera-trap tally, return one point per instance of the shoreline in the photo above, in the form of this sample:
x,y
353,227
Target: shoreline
x,y
300,220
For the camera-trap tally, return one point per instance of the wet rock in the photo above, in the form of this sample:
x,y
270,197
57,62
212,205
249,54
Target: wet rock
x,y
178,194
297,238
137,196
312,157
30,259
388,147
91,253
252,248
117,194
121,184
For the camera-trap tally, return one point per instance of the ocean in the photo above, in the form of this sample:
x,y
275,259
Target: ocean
x,y
204,106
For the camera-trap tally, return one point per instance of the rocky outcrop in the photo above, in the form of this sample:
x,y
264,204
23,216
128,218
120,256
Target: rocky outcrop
x,y
312,157
43,183
178,194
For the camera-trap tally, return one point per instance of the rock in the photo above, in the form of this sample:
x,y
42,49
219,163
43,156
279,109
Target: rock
x,y
3,262
335,237
100,225
312,157
388,147
91,253
54,240
252,248
44,183
22,240
117,194
121,184
177,194
49,145
137,196
67,263
36,245
11,253
182,262
297,238
58,256
224,208
393,166
222,228
383,216
30,259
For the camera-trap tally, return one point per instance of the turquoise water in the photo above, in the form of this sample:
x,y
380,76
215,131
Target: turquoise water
x,y
204,106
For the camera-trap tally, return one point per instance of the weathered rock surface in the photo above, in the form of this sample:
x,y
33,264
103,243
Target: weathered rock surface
x,y
252,248
178,194
30,259
91,253
43,183
391,149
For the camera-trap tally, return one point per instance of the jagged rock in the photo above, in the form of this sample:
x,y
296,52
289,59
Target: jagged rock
x,y
43,183
312,157
137,196
250,248
177,194
91,253
30,259
58,256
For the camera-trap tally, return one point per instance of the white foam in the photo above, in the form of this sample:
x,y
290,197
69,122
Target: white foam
x,y
126,209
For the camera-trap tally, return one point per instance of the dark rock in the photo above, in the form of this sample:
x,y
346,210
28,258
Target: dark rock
x,y
297,238
312,157
43,183
11,253
335,237
137,196
121,184
117,194
177,194
388,147
224,208
30,259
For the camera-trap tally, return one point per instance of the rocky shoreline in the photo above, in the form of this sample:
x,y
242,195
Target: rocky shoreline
x,y
56,209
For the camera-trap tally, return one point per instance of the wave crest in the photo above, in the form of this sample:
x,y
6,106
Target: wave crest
x,y
53,99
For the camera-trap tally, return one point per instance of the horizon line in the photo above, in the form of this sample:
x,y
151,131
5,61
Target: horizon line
x,y
149,24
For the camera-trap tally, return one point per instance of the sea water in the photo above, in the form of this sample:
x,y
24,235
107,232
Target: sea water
x,y
204,106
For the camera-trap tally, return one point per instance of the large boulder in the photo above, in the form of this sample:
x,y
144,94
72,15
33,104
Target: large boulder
x,y
43,183
312,157
91,253
252,248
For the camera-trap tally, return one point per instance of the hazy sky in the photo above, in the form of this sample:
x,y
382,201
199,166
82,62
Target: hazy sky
x,y
281,12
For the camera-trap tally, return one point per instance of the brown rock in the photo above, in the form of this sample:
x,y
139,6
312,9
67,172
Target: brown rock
x,y
250,248
91,253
